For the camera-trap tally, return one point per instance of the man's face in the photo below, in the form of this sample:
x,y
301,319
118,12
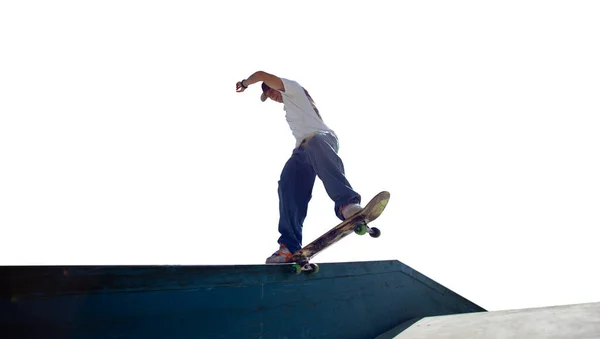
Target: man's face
x,y
274,95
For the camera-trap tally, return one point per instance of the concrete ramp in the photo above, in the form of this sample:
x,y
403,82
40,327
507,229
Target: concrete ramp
x,y
344,300
560,322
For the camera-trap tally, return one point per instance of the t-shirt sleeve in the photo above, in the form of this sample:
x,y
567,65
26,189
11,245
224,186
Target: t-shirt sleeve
x,y
292,88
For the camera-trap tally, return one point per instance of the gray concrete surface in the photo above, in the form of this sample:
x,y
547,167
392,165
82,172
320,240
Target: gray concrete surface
x,y
580,321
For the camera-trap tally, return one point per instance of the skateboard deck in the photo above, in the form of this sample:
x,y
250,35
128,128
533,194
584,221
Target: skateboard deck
x,y
358,223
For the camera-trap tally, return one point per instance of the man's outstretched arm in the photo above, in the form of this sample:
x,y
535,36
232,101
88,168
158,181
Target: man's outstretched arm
x,y
271,80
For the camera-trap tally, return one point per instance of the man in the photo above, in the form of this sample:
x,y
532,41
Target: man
x,y
315,154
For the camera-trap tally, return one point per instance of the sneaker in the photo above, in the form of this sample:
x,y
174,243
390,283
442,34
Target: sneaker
x,y
281,256
350,210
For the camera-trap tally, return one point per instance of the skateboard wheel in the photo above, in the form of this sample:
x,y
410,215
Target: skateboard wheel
x,y
297,269
314,268
375,232
360,229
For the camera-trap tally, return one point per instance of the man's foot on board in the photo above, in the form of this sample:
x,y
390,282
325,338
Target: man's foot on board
x,y
350,210
281,256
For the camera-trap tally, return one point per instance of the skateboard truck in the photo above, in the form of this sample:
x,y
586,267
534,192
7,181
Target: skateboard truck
x,y
305,266
362,229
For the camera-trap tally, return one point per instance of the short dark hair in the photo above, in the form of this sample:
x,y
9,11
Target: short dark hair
x,y
265,87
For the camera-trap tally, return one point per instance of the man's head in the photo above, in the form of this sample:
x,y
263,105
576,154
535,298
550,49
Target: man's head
x,y
270,93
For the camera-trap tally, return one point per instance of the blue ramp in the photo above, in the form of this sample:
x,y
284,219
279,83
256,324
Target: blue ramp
x,y
344,300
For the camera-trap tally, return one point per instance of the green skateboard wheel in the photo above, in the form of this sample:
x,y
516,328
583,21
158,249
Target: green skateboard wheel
x,y
360,229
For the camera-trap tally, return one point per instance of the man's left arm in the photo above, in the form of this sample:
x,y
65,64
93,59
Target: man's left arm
x,y
271,80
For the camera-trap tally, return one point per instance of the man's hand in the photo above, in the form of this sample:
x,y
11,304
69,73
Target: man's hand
x,y
240,87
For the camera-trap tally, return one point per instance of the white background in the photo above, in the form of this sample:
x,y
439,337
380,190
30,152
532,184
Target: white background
x,y
123,141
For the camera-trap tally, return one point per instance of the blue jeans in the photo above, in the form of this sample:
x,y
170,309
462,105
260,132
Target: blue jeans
x,y
317,157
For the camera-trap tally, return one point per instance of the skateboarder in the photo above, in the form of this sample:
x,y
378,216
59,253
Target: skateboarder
x,y
315,154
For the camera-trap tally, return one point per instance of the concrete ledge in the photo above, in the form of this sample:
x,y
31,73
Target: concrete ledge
x,y
580,321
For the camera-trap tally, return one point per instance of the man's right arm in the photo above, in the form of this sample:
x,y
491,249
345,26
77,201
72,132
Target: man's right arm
x,y
271,80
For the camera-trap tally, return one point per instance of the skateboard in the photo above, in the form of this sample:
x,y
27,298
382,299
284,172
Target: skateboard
x,y
358,223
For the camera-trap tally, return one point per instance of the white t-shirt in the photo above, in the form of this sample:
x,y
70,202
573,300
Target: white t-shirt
x,y
300,114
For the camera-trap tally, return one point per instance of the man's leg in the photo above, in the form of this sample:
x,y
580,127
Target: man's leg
x,y
322,152
295,191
